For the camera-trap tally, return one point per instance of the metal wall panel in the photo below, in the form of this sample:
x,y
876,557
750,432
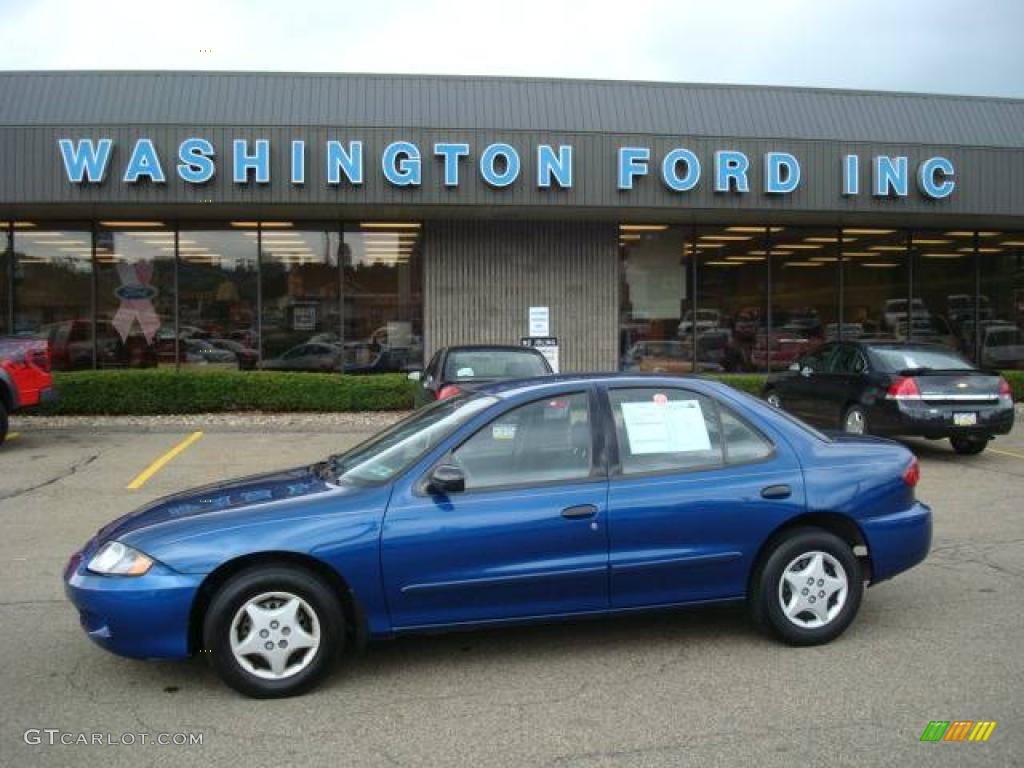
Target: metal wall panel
x,y
481,278
478,103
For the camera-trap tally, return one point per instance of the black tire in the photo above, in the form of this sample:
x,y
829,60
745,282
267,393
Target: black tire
x,y
968,446
857,412
765,603
251,583
3,422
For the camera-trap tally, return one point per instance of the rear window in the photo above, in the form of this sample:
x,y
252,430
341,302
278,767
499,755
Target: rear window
x,y
467,365
916,358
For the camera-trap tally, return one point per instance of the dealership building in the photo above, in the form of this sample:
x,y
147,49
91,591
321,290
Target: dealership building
x,y
361,222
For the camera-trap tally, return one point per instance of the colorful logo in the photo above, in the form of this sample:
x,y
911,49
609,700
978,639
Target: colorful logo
x,y
958,730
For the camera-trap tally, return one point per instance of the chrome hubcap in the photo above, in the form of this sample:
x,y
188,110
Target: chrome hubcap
x,y
813,589
774,401
275,635
855,423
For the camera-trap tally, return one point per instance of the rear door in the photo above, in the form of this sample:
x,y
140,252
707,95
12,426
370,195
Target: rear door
x,y
694,489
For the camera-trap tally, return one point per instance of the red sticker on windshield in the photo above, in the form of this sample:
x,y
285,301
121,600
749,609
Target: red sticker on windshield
x,y
660,399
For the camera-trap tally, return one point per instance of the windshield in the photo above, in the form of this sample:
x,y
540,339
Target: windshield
x,y
466,365
916,358
384,456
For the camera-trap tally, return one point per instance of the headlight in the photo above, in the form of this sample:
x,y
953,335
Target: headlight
x,y
118,559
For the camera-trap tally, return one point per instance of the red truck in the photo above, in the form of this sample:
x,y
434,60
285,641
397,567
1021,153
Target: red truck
x,y
25,378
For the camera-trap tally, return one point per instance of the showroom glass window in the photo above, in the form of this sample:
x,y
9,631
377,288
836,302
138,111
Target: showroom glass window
x,y
875,276
134,294
53,291
655,298
1000,310
805,294
6,242
301,286
217,282
734,332
382,287
943,275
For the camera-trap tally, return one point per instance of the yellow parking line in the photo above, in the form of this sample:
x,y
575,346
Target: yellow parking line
x,y
156,466
1007,453
12,435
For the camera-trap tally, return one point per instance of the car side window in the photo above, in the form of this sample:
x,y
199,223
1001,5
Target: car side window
x,y
743,443
544,441
665,429
431,369
818,361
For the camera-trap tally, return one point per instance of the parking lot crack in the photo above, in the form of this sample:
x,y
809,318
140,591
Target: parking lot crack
x,y
71,470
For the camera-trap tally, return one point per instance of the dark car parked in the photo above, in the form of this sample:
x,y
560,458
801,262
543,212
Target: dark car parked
x,y
893,388
454,370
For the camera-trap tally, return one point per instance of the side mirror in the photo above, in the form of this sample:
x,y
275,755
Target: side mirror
x,y
447,478
806,371
414,375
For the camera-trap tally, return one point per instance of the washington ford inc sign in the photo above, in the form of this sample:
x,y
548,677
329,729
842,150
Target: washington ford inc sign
x,y
499,165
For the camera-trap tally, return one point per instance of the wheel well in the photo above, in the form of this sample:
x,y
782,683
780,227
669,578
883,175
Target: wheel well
x,y
355,619
6,397
839,525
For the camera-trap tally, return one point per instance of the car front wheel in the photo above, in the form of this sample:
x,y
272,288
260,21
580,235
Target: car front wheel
x,y
273,631
809,588
968,446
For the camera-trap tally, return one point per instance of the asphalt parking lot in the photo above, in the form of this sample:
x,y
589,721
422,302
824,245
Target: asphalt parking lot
x,y
942,642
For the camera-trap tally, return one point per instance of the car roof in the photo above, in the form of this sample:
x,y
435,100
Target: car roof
x,y
540,384
487,348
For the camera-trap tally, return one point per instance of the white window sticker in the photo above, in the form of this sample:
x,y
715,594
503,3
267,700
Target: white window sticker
x,y
675,426
464,373
503,432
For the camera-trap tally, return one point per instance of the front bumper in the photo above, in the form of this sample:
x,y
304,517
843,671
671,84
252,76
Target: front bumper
x,y
142,617
936,420
898,541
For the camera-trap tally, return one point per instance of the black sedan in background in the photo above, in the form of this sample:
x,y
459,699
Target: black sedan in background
x,y
893,388
453,370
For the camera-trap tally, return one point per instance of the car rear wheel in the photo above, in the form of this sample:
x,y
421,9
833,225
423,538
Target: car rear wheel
x,y
773,399
968,446
855,420
273,631
809,588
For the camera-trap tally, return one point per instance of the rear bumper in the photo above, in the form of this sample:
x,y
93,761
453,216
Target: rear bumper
x,y
898,541
936,420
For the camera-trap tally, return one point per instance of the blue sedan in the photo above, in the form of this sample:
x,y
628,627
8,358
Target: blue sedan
x,y
523,501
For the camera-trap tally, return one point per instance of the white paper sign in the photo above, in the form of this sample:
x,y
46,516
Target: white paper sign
x,y
674,426
540,321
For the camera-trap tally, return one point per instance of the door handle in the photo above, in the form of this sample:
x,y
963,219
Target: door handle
x,y
580,510
776,492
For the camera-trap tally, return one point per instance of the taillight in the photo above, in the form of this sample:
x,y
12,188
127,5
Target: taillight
x,y
40,359
1005,393
912,473
903,388
448,390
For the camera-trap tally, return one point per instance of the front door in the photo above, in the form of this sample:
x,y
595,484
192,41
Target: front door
x,y
527,537
694,492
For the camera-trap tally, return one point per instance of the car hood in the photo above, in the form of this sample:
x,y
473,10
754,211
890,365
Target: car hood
x,y
217,498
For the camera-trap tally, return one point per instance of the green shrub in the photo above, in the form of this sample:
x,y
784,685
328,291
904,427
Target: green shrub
x,y
167,391
751,383
1016,379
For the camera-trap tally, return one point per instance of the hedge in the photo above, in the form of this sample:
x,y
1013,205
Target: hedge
x,y
167,391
